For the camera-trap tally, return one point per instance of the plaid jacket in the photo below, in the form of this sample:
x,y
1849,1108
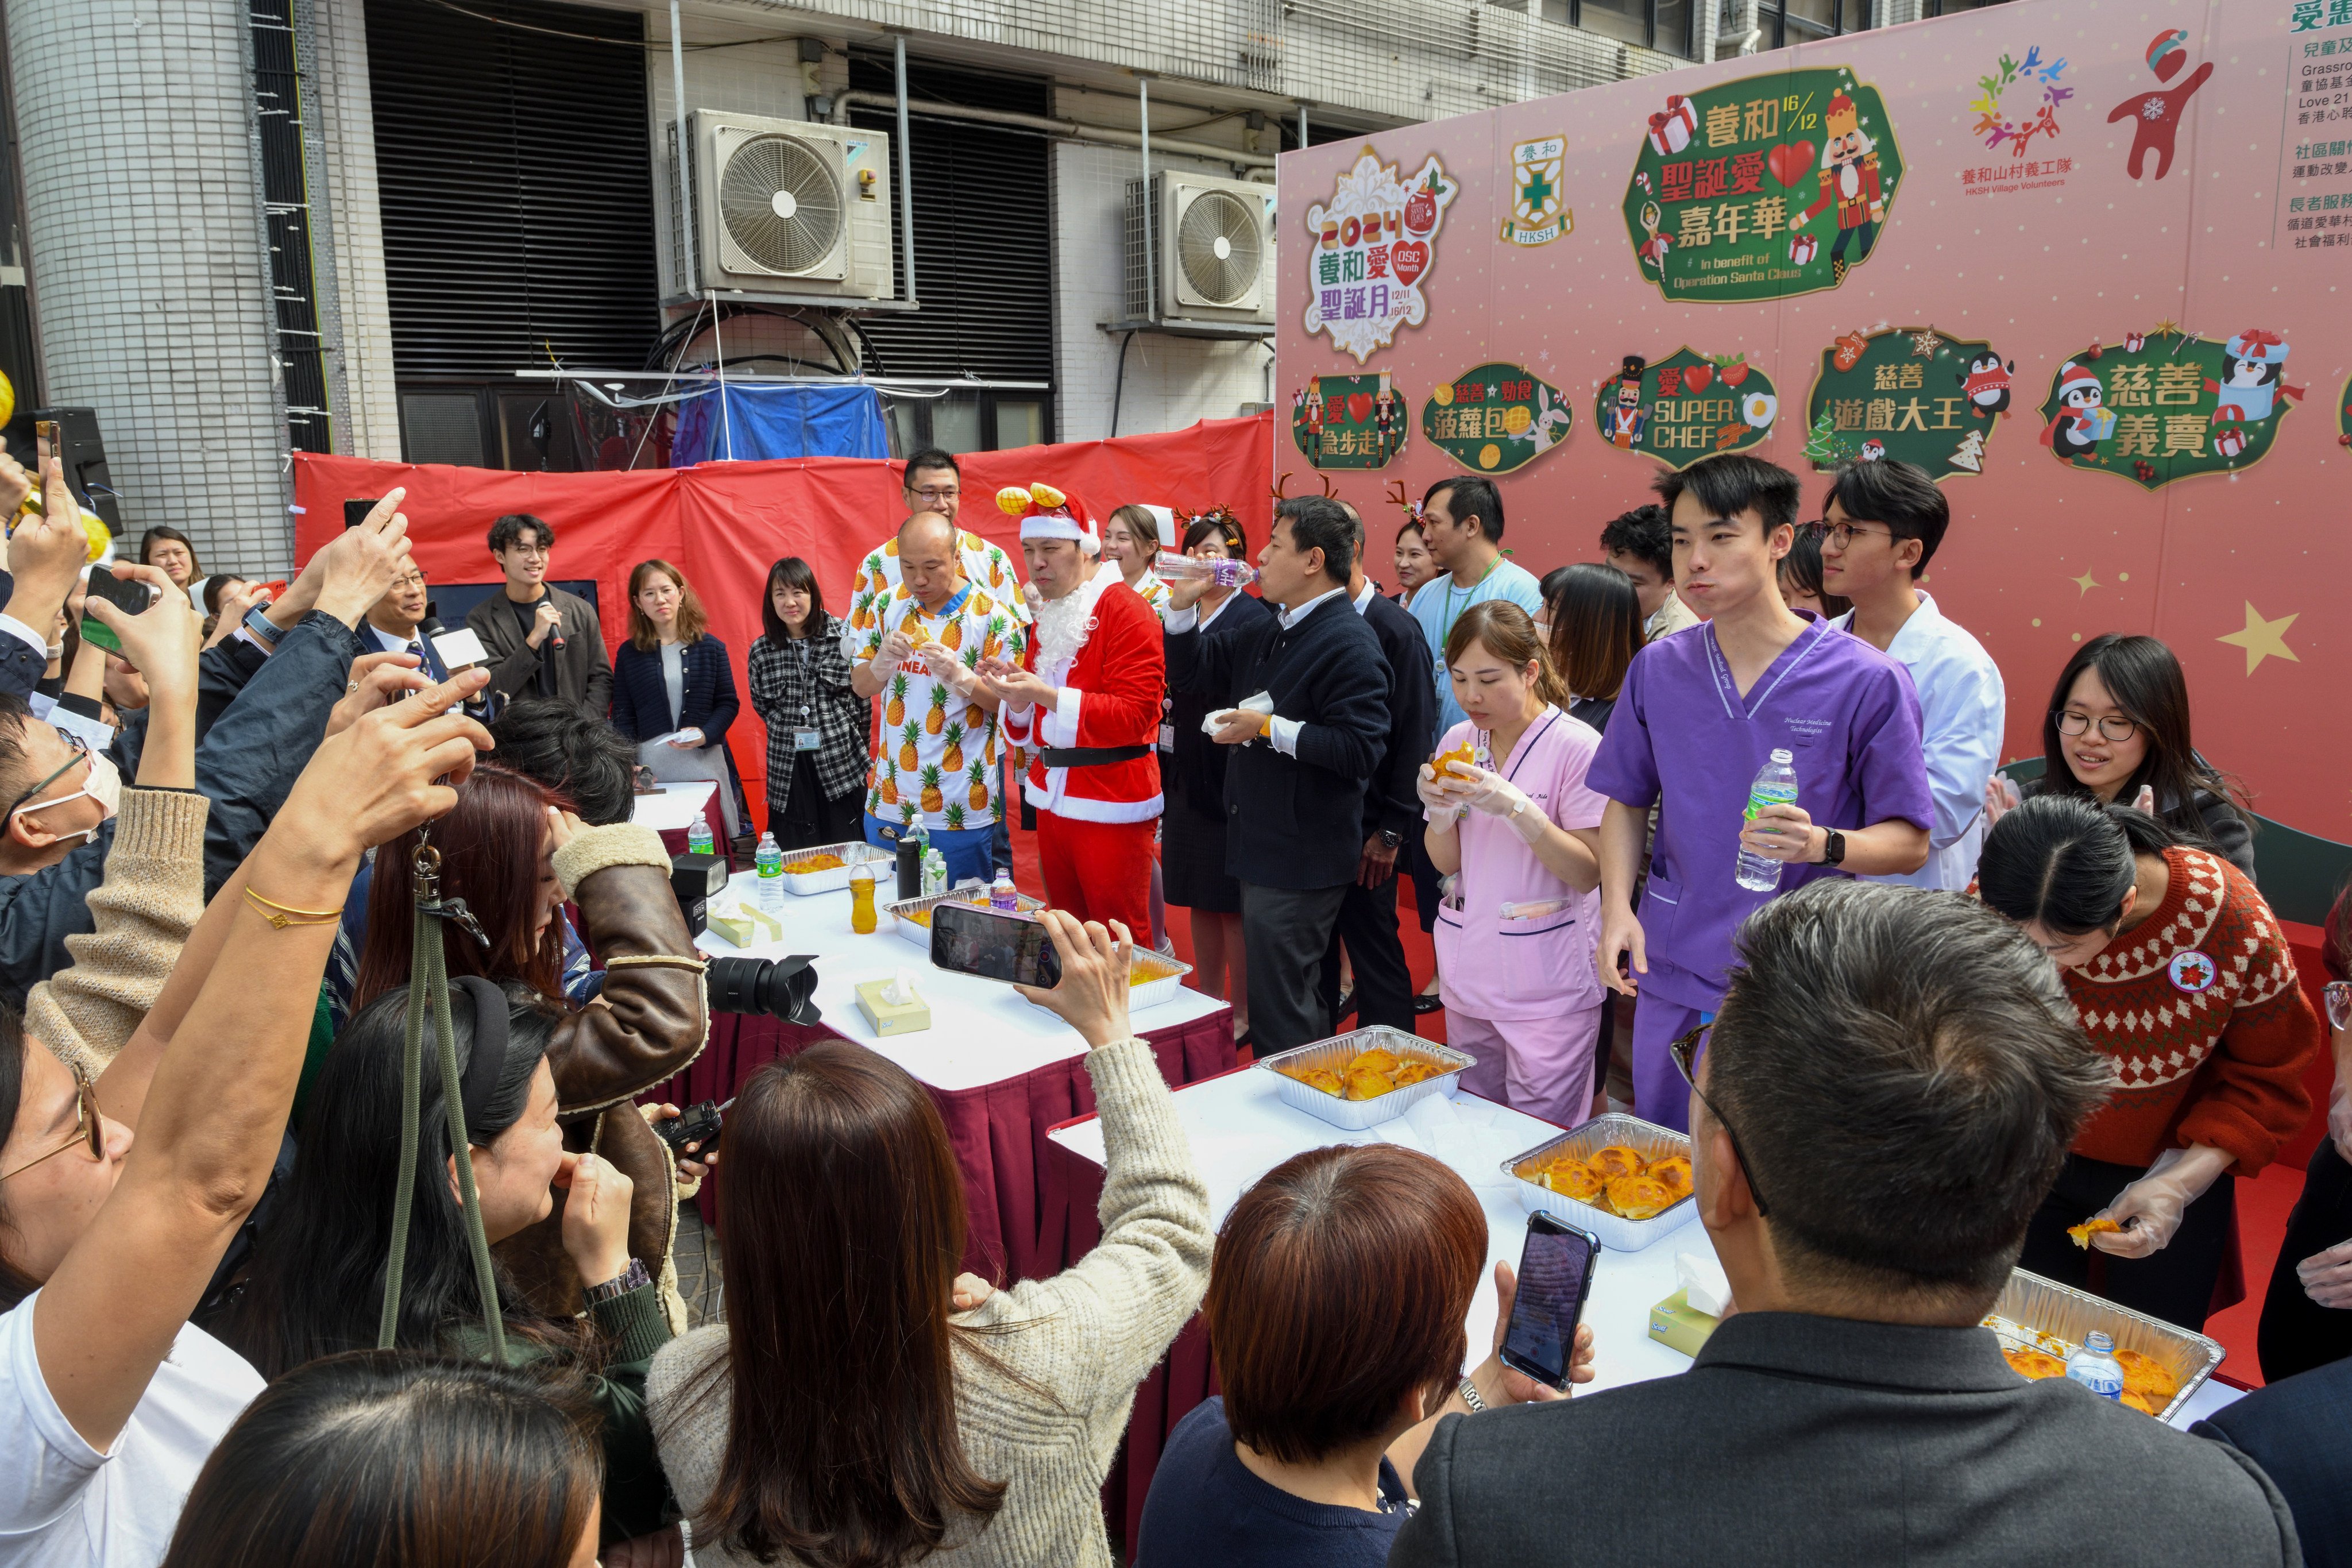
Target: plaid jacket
x,y
811,676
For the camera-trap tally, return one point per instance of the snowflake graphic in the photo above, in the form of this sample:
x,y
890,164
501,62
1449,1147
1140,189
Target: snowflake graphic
x,y
1925,344
2153,108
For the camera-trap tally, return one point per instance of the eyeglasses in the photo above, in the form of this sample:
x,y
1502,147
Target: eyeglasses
x,y
1841,535
90,1127
936,492
2337,994
80,750
413,580
1685,1050
2112,726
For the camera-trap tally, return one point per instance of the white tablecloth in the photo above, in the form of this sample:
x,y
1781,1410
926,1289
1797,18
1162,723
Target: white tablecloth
x,y
675,809
982,1031
1240,1130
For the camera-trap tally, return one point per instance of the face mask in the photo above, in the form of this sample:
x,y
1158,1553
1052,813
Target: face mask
x,y
105,786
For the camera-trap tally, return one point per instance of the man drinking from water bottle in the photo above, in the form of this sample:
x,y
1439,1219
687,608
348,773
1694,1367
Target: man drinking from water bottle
x,y
1699,718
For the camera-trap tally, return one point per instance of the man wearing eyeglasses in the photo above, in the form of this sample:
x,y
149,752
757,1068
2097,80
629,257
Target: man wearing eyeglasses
x,y
542,641
1880,524
393,622
1883,1101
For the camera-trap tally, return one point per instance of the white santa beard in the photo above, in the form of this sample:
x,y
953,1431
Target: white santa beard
x,y
1061,632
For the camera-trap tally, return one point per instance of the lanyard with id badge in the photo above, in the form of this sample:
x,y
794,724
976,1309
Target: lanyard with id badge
x,y
806,737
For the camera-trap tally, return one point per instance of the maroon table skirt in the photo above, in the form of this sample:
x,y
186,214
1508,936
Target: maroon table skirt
x,y
674,838
1021,1224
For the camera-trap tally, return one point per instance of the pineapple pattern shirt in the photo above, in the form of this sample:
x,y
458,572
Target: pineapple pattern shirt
x,y
984,566
935,755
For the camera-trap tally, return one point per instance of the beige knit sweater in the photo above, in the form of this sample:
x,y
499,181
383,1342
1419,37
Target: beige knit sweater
x,y
1088,1335
153,895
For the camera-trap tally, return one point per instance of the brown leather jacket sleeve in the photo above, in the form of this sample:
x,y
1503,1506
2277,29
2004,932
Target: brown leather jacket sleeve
x,y
651,1020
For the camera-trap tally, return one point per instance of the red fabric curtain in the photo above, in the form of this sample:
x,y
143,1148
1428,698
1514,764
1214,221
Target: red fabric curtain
x,y
723,524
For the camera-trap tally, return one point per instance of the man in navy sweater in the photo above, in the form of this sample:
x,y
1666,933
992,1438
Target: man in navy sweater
x,y
1294,787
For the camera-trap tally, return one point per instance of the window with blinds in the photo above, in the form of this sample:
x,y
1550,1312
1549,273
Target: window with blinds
x,y
516,182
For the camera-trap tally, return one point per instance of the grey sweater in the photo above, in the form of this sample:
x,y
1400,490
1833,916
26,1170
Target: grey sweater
x,y
1088,1336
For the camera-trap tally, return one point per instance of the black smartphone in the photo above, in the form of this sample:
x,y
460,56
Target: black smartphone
x,y
128,594
355,512
1555,1277
993,945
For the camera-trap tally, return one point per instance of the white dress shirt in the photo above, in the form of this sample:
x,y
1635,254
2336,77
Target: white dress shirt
x,y
1961,712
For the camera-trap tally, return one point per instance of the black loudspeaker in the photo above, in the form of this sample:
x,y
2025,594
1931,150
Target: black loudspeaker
x,y
84,456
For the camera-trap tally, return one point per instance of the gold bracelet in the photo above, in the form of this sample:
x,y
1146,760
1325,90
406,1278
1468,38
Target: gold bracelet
x,y
282,915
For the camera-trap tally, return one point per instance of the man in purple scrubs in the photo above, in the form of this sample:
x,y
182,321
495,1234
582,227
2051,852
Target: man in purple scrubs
x,y
1698,718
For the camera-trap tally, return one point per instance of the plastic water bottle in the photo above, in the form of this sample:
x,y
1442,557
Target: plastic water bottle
x,y
935,873
1776,784
2095,1366
769,860
1172,568
699,840
1003,895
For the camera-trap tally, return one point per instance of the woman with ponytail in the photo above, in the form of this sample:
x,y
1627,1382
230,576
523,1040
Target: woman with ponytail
x,y
2181,976
1515,939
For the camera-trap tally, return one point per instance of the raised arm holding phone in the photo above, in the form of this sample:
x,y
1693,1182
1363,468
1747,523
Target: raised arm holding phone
x,y
110,1240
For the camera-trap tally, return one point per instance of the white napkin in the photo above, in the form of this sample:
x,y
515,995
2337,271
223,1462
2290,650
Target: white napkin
x,y
1703,1283
901,991
1260,703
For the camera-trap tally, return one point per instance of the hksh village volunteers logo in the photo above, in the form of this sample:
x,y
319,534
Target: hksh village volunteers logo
x,y
2017,103
1538,216
1374,247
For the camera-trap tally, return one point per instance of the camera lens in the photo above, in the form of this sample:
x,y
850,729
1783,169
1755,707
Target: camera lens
x,y
777,988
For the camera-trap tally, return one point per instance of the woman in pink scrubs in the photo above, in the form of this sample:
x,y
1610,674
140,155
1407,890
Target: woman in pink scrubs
x,y
1515,939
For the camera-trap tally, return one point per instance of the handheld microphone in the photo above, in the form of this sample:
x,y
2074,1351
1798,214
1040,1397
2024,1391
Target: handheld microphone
x,y
554,633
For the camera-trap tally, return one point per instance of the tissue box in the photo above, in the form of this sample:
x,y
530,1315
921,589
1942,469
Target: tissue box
x,y
746,925
1677,1325
892,1017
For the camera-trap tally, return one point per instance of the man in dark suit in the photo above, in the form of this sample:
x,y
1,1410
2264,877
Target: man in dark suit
x,y
2295,1429
1891,1084
1295,784
542,641
393,623
1368,916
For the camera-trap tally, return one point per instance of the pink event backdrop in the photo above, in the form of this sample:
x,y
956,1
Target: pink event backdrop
x,y
723,524
2039,248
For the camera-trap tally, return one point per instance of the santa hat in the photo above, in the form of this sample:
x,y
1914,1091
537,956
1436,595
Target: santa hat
x,y
2073,377
1046,513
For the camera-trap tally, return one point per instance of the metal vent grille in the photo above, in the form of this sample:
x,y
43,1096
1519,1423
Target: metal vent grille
x,y
1217,246
781,203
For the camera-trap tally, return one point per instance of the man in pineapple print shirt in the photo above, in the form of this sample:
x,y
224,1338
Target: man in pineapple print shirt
x,y
935,754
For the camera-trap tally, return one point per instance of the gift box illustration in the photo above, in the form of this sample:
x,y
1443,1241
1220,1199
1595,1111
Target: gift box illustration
x,y
1801,248
1670,132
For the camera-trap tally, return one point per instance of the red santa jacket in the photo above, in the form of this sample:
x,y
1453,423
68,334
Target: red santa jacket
x,y
1110,697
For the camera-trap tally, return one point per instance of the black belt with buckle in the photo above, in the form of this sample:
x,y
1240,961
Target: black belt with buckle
x,y
1090,756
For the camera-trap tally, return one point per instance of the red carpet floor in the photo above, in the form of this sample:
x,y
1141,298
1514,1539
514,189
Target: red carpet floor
x,y
2262,1203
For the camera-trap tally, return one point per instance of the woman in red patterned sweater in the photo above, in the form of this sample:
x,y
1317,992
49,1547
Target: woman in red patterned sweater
x,y
2180,975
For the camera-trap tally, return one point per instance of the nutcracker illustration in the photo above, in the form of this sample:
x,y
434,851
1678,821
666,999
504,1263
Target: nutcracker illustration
x,y
1625,421
1849,175
1315,407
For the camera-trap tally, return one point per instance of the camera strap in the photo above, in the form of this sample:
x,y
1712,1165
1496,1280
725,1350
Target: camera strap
x,y
428,995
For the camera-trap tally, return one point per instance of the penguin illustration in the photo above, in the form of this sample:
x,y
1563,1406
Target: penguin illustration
x,y
2072,431
1986,385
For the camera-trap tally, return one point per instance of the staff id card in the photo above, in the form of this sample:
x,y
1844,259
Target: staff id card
x,y
805,739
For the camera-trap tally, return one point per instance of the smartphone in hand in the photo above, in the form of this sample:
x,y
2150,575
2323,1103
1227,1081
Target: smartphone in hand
x,y
127,594
994,945
1555,1277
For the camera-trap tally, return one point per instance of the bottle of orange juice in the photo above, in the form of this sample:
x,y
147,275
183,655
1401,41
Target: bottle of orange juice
x,y
861,898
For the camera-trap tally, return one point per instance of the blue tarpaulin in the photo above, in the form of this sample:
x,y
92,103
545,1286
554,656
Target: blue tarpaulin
x,y
771,421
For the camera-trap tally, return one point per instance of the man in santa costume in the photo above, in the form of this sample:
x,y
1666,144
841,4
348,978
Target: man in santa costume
x,y
1084,704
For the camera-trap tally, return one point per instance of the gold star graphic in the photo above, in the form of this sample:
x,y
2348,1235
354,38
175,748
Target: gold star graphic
x,y
2263,639
2084,582
2166,328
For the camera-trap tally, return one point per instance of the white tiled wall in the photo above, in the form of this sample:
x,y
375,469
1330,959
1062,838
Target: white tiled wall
x,y
367,423
1170,382
141,200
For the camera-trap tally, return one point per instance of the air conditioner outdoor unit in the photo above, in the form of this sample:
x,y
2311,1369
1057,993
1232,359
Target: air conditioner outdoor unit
x,y
780,208
1211,252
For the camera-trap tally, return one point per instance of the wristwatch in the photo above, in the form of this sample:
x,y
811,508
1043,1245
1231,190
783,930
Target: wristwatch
x,y
262,626
1832,846
1391,837
632,1278
1469,1392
